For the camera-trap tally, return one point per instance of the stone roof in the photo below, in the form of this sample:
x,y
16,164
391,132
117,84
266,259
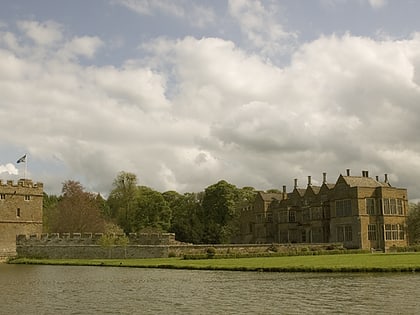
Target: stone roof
x,y
360,181
270,196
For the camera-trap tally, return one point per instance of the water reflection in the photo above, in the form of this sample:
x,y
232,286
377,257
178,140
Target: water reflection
x,y
109,290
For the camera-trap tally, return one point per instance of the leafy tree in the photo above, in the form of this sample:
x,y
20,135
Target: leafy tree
x,y
413,223
185,222
49,211
219,208
150,210
121,200
77,211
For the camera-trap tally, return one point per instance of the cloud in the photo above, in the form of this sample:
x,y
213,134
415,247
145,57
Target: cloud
x,y
257,21
9,168
199,110
45,33
377,4
195,14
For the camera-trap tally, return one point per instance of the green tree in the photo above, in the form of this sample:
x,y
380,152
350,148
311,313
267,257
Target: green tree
x,y
150,210
413,223
77,211
49,212
185,221
219,208
121,200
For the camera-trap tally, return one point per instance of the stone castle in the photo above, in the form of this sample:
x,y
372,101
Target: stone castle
x,y
358,211
20,212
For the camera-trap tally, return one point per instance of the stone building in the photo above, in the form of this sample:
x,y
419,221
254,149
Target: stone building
x,y
358,211
20,212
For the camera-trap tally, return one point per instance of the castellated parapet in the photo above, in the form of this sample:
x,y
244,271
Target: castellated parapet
x,y
20,212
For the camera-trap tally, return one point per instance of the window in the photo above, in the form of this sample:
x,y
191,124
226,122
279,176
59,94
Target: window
x,y
27,197
343,208
394,232
400,208
316,213
386,206
344,233
269,217
401,232
283,216
306,214
18,212
303,236
393,206
2,196
292,216
370,206
372,232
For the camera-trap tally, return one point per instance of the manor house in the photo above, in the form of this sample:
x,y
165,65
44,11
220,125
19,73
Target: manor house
x,y
20,212
357,211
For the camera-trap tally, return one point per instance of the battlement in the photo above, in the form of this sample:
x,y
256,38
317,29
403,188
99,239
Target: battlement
x,y
28,183
94,238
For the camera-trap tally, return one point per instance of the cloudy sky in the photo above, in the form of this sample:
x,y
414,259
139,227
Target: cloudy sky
x,y
184,93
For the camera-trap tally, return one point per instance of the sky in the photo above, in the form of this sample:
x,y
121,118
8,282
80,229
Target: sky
x,y
186,93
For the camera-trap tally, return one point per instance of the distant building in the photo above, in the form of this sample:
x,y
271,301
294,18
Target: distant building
x,y
20,212
358,211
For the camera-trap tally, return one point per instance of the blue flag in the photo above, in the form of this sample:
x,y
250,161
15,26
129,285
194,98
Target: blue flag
x,y
22,159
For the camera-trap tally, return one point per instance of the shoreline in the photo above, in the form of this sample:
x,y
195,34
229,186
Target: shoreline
x,y
360,263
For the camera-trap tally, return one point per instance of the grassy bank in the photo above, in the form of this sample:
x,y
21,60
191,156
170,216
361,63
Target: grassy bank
x,y
398,262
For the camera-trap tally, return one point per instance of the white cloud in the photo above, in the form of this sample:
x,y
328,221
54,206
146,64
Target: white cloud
x,y
377,4
45,33
9,168
258,22
343,102
197,15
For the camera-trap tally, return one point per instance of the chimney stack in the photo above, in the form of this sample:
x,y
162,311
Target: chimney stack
x,y
296,182
324,178
348,172
309,181
377,178
386,178
284,192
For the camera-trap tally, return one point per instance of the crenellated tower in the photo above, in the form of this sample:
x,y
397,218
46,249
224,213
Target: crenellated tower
x,y
20,212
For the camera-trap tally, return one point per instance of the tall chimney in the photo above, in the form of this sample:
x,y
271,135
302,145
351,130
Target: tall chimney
x,y
377,178
309,181
324,178
348,172
386,178
296,182
366,173
284,192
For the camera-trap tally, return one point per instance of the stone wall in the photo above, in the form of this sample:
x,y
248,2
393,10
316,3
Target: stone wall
x,y
87,246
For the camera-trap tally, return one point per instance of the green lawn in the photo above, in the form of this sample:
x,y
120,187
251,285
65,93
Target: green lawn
x,y
323,263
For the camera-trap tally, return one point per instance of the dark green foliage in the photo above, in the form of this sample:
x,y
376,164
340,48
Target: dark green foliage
x,y
185,222
413,223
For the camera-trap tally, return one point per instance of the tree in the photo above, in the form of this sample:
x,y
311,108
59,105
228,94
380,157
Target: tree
x,y
413,223
219,208
185,221
121,200
77,211
150,210
49,210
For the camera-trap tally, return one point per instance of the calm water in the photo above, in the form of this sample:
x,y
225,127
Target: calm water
x,y
109,290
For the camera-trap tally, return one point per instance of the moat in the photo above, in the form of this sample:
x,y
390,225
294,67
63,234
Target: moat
x,y
108,290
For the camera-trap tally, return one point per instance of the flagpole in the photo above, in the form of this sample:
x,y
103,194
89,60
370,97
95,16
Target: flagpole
x,y
26,166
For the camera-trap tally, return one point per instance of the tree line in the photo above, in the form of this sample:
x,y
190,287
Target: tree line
x,y
207,217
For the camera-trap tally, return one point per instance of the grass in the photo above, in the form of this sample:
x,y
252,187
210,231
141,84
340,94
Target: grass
x,y
398,262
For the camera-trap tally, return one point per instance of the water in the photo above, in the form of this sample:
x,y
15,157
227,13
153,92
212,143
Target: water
x,y
26,289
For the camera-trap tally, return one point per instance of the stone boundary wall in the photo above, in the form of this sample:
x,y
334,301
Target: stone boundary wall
x,y
55,246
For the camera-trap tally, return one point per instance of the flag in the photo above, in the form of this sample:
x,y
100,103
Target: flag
x,y
22,159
